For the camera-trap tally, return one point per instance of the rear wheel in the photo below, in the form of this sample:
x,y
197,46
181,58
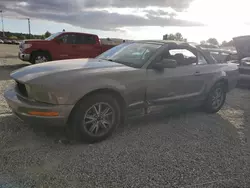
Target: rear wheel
x,y
39,57
95,118
216,98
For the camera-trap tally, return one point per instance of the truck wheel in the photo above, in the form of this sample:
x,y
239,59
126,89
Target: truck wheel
x,y
39,57
95,118
216,98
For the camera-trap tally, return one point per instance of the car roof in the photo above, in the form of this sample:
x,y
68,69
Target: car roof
x,y
170,42
78,33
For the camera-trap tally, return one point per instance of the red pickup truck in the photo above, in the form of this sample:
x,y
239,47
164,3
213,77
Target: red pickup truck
x,y
62,45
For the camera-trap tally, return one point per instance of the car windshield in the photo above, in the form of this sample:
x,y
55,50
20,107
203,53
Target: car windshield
x,y
131,54
51,37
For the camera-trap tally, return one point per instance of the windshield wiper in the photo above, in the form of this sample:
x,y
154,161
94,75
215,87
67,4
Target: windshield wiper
x,y
110,60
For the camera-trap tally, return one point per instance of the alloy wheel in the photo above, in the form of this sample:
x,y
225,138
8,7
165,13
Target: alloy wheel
x,y
98,119
40,59
217,98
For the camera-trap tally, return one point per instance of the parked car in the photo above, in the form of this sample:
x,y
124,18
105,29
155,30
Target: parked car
x,y
93,96
1,41
15,42
62,45
242,45
208,46
6,41
223,56
244,69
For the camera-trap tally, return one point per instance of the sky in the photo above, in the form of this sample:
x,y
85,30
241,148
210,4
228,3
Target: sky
x,y
131,19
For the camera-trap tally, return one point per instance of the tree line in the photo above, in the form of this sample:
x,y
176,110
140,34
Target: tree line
x,y
178,37
23,36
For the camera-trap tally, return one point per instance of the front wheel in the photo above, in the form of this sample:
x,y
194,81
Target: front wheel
x,y
216,98
39,57
95,118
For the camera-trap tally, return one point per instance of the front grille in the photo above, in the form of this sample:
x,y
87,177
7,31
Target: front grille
x,y
22,89
21,46
244,71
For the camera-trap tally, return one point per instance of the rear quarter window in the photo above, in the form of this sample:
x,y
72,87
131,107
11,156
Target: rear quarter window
x,y
86,39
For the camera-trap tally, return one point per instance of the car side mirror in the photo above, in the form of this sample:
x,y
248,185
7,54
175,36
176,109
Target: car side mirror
x,y
165,63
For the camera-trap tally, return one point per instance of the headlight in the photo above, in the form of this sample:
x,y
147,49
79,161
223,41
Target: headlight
x,y
41,94
26,46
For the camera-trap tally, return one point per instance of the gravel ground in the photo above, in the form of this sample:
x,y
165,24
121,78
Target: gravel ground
x,y
183,149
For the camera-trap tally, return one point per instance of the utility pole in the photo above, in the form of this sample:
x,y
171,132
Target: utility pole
x,y
29,27
1,11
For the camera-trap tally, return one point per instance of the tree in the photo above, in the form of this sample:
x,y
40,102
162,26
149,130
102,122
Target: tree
x,y
203,42
230,43
213,41
42,37
47,34
176,36
226,44
165,37
179,37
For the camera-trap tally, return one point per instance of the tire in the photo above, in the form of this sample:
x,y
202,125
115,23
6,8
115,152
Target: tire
x,y
42,56
210,105
84,109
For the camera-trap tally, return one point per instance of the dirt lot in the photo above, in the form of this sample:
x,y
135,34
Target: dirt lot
x,y
181,149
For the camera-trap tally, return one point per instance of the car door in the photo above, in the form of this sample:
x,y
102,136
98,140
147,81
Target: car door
x,y
174,84
66,46
87,46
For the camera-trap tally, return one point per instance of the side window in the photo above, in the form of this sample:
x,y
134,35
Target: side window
x,y
63,38
183,57
201,59
68,38
86,39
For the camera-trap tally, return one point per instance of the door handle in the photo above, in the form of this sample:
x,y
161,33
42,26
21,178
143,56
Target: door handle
x,y
197,73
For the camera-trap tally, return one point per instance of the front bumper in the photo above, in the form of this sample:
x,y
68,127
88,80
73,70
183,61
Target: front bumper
x,y
21,108
24,57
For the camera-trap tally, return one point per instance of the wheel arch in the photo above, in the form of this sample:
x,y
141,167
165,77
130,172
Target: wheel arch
x,y
116,94
220,76
224,81
41,51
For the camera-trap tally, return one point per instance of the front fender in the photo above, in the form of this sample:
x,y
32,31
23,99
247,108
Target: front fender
x,y
90,85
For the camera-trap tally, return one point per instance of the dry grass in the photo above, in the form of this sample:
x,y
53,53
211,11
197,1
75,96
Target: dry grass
x,y
8,55
8,51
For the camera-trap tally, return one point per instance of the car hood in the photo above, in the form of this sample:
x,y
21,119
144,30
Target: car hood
x,y
35,40
242,45
44,69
